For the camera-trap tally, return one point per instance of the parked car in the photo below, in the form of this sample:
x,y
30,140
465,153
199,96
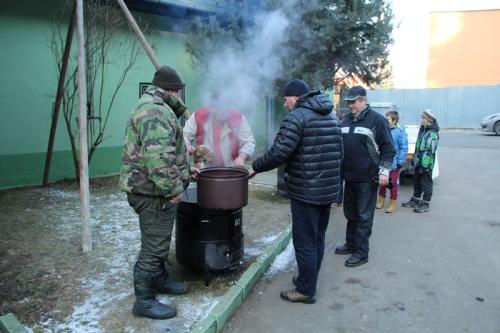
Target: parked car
x,y
491,123
412,131
384,107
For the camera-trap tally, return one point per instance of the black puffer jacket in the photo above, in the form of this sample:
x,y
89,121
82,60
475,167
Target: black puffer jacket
x,y
309,142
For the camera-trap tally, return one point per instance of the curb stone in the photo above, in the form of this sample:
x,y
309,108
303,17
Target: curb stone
x,y
10,324
216,319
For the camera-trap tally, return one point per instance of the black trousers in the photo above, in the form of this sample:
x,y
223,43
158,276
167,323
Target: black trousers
x,y
309,223
422,183
359,207
340,198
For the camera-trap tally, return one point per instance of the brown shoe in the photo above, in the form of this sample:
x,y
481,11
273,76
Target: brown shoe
x,y
380,202
392,207
292,295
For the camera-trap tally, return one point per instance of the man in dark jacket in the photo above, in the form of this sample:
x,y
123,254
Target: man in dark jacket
x,y
309,144
368,154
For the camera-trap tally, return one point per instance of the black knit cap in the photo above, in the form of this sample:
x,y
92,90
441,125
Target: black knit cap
x,y
354,93
167,78
295,88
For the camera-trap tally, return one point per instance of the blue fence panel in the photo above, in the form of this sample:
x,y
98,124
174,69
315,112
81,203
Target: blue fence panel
x,y
454,107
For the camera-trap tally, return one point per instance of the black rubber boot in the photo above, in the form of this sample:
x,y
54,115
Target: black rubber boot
x,y
146,304
423,207
413,202
163,284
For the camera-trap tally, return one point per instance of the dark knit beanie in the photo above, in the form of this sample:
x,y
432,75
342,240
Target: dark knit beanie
x,y
295,88
168,79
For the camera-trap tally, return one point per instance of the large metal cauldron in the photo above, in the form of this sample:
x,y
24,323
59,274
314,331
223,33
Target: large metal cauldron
x,y
223,188
207,240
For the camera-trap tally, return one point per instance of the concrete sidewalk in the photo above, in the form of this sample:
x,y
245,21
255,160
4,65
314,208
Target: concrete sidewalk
x,y
436,272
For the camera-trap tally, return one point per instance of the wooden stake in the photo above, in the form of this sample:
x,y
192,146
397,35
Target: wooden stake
x,y
60,92
82,133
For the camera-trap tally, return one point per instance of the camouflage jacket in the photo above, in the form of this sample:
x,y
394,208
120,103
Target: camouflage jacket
x,y
426,146
154,160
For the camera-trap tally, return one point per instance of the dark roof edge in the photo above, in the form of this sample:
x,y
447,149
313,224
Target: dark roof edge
x,y
168,8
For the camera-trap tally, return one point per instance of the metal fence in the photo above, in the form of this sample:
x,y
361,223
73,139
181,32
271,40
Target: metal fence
x,y
454,107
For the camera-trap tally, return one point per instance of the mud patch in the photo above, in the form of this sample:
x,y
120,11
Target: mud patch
x,y
400,306
384,309
336,306
353,281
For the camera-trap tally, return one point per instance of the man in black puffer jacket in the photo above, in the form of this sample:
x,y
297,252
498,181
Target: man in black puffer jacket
x,y
309,143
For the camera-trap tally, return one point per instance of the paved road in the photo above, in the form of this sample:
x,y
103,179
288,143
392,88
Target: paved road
x,y
437,272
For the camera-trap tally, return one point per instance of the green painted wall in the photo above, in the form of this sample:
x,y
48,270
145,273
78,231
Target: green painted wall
x,y
27,169
28,84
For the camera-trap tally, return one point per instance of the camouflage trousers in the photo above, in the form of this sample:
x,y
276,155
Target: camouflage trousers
x,y
156,220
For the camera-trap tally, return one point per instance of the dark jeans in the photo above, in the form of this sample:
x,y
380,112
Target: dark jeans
x,y
359,207
422,183
309,223
156,220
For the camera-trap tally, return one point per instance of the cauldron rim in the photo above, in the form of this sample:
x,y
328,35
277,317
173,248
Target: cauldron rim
x,y
223,173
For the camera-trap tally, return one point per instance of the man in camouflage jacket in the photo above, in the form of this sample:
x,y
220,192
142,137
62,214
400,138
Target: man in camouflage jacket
x,y
154,172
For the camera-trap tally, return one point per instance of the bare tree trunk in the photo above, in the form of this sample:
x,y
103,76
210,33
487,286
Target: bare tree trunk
x,y
133,56
73,145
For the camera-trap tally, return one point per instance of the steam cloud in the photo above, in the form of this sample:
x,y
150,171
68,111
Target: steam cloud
x,y
241,77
